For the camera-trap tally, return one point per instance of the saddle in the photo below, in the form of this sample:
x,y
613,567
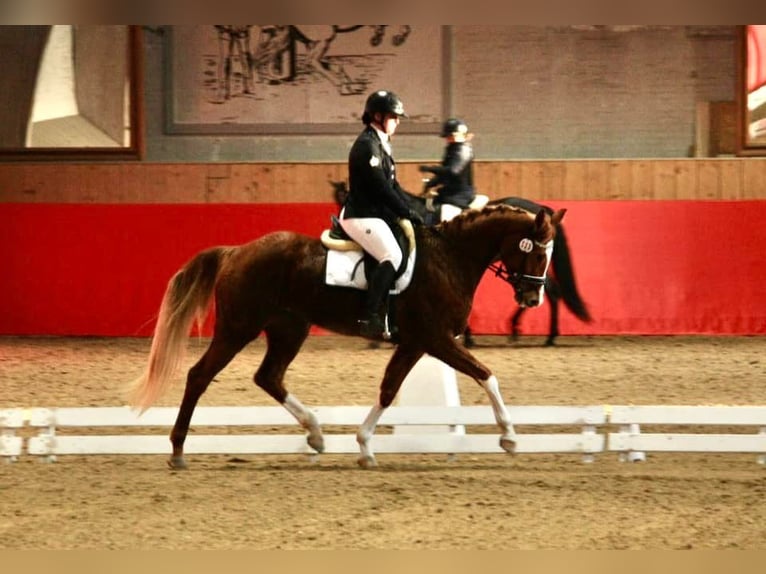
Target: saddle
x,y
348,265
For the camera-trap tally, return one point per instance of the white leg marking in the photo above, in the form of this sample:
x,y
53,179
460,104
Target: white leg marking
x,y
307,420
364,434
508,438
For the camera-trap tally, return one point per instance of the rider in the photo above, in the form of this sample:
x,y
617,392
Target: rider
x,y
376,201
454,176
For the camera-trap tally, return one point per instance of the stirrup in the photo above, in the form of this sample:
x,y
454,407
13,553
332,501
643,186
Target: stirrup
x,y
375,327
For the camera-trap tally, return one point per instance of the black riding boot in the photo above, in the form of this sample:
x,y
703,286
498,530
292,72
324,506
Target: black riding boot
x,y
379,284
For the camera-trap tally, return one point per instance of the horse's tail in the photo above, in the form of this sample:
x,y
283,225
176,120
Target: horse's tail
x,y
187,299
562,267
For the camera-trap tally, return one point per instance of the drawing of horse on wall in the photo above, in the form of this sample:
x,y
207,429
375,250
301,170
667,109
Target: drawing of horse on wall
x,y
274,58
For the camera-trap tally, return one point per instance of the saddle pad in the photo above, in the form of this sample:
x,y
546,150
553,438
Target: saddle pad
x,y
346,269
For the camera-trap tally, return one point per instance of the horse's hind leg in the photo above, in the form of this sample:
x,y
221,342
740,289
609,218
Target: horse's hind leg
x,y
218,354
554,295
515,320
285,338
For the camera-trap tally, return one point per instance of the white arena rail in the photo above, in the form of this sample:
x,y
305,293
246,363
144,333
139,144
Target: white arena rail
x,y
632,442
57,424
11,420
272,430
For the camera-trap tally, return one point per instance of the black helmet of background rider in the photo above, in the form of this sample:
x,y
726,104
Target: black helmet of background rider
x,y
382,102
454,126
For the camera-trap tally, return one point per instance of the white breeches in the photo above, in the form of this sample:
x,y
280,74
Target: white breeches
x,y
376,237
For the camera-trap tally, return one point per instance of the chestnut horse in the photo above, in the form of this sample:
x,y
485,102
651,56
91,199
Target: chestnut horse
x,y
276,285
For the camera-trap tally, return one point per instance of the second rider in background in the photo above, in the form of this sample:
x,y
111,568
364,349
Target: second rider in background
x,y
453,179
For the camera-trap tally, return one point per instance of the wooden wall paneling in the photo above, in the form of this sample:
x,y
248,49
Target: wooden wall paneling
x,y
575,181
406,172
754,178
731,178
176,183
244,183
271,181
619,180
18,185
507,180
685,174
683,179
493,179
552,176
24,183
596,179
179,183
319,186
217,178
291,183
641,180
90,183
531,181
664,182
300,183
708,179
131,186
75,183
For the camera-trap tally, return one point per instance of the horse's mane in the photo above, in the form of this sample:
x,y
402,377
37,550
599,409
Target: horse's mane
x,y
470,216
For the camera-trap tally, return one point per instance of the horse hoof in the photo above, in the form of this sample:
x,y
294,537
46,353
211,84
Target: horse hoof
x,y
508,444
367,462
177,463
316,442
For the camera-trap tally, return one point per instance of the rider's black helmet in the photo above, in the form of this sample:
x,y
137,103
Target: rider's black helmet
x,y
453,126
382,102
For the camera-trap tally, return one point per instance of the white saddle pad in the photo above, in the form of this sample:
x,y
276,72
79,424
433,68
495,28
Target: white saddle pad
x,y
346,269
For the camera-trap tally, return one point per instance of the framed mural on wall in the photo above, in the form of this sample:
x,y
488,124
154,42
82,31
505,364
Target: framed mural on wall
x,y
301,79
751,92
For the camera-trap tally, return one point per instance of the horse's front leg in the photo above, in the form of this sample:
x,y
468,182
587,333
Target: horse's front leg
x,y
364,434
508,438
400,364
462,360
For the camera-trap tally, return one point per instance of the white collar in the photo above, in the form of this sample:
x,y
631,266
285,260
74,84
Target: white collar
x,y
385,139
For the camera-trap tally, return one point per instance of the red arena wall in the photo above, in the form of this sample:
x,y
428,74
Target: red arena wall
x,y
643,268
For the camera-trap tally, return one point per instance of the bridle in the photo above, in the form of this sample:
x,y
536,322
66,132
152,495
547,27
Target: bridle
x,y
520,281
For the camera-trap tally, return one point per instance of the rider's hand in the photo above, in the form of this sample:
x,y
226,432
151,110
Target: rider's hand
x,y
425,169
415,218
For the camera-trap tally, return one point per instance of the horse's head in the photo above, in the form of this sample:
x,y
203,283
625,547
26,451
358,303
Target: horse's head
x,y
526,257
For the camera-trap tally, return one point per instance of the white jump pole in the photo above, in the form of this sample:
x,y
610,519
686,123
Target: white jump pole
x,y
430,383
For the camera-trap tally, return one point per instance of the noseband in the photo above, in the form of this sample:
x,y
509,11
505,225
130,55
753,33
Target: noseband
x,y
516,279
520,280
